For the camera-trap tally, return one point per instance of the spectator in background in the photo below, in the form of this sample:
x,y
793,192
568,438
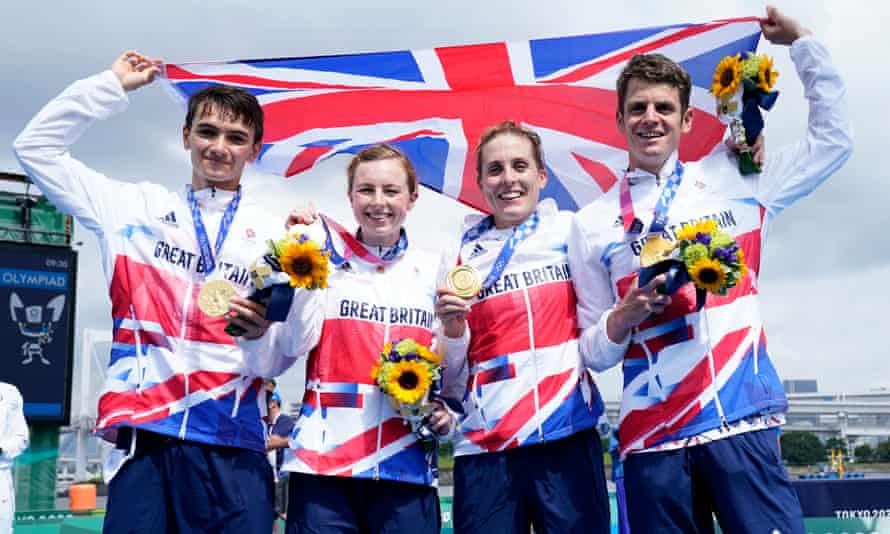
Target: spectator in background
x,y
280,426
13,442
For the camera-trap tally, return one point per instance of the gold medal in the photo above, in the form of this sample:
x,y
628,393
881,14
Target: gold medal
x,y
213,299
656,249
465,281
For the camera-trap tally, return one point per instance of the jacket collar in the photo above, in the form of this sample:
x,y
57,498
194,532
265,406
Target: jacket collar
x,y
640,176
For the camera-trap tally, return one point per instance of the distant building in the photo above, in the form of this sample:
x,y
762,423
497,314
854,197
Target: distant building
x,y
857,418
800,386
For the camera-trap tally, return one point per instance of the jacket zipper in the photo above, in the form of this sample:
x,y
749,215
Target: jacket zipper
x,y
704,320
380,418
138,339
182,331
531,338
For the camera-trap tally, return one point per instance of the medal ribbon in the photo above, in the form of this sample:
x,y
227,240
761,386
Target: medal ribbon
x,y
659,214
520,233
355,247
208,255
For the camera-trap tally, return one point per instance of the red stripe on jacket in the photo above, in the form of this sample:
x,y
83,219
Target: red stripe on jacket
x,y
499,324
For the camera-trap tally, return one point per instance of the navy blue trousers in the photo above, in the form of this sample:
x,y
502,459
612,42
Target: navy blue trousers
x,y
339,505
740,479
557,487
172,486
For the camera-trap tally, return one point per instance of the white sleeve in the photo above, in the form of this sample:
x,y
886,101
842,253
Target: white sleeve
x,y
16,441
593,290
454,364
286,341
455,370
42,149
795,171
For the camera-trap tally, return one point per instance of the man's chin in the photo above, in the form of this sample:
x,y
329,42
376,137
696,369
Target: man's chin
x,y
650,159
221,179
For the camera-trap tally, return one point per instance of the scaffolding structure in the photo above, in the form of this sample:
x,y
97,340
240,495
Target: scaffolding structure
x,y
28,218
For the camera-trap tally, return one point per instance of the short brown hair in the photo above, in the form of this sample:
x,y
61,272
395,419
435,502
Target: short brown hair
x,y
508,127
379,152
232,102
654,68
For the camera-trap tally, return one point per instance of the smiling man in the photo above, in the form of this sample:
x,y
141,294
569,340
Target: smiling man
x,y
181,401
701,398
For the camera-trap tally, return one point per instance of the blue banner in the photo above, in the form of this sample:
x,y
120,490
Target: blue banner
x,y
37,286
861,498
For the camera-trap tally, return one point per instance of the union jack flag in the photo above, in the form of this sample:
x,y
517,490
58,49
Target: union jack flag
x,y
434,104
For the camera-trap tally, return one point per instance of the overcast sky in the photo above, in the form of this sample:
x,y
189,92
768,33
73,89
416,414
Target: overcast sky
x,y
826,265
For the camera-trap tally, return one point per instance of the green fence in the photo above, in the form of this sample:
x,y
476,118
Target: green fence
x,y
64,522
45,224
35,471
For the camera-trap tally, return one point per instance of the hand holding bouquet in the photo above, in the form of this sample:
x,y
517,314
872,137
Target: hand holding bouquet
x,y
408,372
704,255
743,87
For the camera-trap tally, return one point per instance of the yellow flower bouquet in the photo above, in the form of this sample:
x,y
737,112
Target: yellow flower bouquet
x,y
408,373
742,88
704,255
714,260
299,259
302,258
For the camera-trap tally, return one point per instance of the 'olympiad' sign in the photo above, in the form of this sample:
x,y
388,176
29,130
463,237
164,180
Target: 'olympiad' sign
x,y
37,286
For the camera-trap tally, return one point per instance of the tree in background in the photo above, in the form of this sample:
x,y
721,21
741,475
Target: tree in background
x,y
864,453
834,444
882,454
802,448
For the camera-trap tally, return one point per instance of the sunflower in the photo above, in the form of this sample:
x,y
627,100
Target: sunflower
x,y
305,263
727,76
408,381
688,232
375,370
766,76
708,274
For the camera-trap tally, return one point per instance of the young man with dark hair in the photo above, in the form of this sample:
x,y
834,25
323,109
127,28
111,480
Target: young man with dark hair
x,y
181,401
701,397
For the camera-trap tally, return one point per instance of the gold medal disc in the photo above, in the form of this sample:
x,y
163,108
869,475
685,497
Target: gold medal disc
x,y
465,281
213,299
655,249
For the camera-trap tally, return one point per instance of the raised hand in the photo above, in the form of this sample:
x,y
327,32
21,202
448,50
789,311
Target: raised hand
x,y
780,29
758,149
135,70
